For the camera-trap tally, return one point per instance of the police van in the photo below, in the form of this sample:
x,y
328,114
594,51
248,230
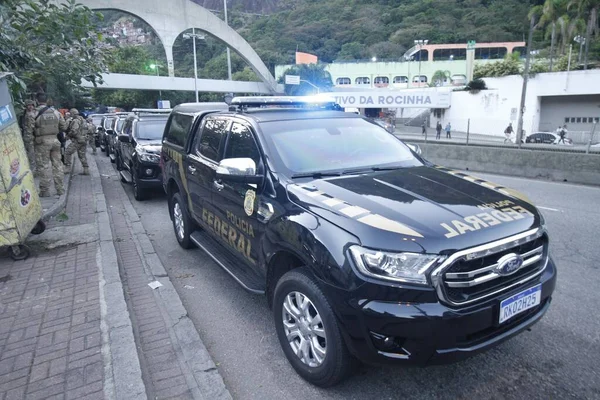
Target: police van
x,y
365,250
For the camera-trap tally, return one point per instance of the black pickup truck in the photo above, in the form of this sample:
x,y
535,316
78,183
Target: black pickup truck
x,y
364,249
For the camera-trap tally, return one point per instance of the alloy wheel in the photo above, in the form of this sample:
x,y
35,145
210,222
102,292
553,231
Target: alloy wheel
x,y
304,329
178,220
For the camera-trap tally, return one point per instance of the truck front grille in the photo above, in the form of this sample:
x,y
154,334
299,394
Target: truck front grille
x,y
472,275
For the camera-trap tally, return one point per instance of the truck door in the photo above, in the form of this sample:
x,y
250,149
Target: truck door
x,y
201,164
236,204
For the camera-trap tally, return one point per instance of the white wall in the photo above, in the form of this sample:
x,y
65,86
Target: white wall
x,y
491,110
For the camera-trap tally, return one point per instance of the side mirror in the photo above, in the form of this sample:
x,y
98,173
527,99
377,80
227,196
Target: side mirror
x,y
415,147
239,170
124,139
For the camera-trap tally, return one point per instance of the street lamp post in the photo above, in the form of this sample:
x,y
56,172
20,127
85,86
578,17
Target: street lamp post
x,y
194,36
311,84
156,67
581,40
228,51
420,43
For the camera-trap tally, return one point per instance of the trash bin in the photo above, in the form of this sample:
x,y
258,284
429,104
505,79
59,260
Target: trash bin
x,y
20,207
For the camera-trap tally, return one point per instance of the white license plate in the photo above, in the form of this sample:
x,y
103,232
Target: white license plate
x,y
520,302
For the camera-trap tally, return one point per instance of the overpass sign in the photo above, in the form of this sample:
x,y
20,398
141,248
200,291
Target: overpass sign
x,y
394,99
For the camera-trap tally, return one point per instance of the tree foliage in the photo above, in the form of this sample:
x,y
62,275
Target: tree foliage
x,y
50,48
313,73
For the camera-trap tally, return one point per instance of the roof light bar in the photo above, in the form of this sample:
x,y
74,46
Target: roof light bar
x,y
151,110
296,101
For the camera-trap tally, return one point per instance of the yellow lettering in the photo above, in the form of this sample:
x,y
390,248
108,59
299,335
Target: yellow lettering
x,y
248,250
224,229
241,244
491,221
217,224
501,216
250,231
512,213
476,222
210,219
451,232
232,236
461,227
204,215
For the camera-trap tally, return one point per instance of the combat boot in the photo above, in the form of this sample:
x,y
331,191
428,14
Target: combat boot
x,y
86,171
60,192
44,194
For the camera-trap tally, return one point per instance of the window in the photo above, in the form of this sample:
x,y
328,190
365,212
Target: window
x,y
449,54
584,120
150,129
597,119
241,144
459,79
521,50
578,120
212,135
400,79
382,80
567,120
490,53
363,80
343,81
178,128
572,120
420,78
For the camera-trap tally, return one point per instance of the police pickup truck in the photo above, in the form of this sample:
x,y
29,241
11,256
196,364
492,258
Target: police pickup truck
x,y
364,249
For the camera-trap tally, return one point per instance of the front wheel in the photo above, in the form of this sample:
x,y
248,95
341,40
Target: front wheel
x,y
138,193
118,161
308,331
182,223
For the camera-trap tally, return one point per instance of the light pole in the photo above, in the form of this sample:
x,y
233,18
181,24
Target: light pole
x,y
228,51
420,43
156,67
581,40
311,84
193,35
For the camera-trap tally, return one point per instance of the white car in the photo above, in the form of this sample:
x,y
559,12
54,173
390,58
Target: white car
x,y
547,138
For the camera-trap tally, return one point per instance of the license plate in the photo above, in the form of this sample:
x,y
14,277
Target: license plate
x,y
520,302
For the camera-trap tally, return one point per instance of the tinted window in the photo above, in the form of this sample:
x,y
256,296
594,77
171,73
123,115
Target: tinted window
x,y
241,143
179,126
151,129
212,134
332,145
120,124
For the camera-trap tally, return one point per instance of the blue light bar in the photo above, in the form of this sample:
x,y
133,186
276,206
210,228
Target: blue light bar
x,y
297,101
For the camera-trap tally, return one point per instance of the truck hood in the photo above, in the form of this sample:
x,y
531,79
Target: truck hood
x,y
420,209
151,146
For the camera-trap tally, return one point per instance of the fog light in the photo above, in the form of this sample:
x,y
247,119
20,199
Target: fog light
x,y
149,171
391,344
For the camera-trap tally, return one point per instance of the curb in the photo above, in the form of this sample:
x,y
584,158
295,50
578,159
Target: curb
x,y
122,371
62,200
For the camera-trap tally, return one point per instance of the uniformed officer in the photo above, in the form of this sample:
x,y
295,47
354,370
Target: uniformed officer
x,y
28,130
77,133
91,132
48,123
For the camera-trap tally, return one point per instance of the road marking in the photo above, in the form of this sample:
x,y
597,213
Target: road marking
x,y
549,209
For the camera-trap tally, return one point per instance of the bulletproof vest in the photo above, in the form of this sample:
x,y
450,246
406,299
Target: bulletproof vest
x,y
47,123
76,126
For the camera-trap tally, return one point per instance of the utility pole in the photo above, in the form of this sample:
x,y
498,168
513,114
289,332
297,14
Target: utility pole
x,y
228,51
194,36
420,43
525,81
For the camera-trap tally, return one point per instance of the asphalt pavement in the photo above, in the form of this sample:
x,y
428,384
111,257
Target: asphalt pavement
x,y
557,359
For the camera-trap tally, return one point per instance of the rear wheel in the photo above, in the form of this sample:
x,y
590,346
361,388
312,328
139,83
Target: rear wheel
x,y
182,223
308,331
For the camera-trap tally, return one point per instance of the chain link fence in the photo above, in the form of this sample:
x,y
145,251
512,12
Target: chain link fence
x,y
460,133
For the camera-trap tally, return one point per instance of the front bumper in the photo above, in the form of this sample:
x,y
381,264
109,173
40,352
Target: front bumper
x,y
149,175
431,332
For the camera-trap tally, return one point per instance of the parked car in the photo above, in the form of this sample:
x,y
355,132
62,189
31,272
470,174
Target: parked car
x,y
362,248
547,138
97,121
139,154
104,130
111,140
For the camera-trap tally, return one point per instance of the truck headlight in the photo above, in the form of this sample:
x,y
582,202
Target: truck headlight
x,y
395,267
147,157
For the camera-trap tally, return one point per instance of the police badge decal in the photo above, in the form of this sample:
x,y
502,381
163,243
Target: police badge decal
x,y
249,202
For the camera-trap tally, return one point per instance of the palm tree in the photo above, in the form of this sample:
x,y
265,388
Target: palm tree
x,y
587,9
550,13
440,77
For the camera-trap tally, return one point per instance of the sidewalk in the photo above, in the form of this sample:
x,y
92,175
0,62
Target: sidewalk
x,y
67,319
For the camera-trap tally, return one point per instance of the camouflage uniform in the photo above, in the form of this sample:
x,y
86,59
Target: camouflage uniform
x,y
28,131
77,132
91,132
47,148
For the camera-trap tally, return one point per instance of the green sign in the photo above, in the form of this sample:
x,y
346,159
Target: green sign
x,y
470,45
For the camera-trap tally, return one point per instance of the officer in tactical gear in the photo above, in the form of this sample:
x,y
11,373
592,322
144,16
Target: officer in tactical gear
x,y
77,133
91,134
27,129
47,124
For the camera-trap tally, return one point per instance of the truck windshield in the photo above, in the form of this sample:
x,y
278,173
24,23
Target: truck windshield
x,y
335,144
151,130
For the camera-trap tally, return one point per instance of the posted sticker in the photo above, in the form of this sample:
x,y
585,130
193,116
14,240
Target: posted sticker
x,y
249,202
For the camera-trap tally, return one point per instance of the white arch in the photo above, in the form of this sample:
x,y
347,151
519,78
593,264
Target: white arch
x,y
170,18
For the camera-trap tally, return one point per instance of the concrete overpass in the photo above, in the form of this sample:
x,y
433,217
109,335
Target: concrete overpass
x,y
150,82
169,19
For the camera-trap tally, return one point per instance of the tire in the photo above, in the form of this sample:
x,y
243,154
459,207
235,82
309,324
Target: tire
x,y
138,193
107,149
179,213
118,161
337,362
39,228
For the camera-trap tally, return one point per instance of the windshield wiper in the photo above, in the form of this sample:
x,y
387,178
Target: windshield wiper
x,y
315,175
369,169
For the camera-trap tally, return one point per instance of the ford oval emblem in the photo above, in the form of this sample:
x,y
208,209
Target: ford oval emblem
x,y
509,264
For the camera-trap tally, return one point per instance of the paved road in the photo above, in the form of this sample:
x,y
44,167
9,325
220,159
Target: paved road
x,y
558,359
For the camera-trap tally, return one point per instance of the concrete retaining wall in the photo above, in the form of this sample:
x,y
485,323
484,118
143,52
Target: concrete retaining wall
x,y
551,165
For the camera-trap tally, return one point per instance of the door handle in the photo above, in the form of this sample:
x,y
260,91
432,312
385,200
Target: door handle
x,y
192,169
218,186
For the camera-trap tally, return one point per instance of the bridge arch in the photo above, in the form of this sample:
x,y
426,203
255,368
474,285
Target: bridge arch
x,y
170,18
